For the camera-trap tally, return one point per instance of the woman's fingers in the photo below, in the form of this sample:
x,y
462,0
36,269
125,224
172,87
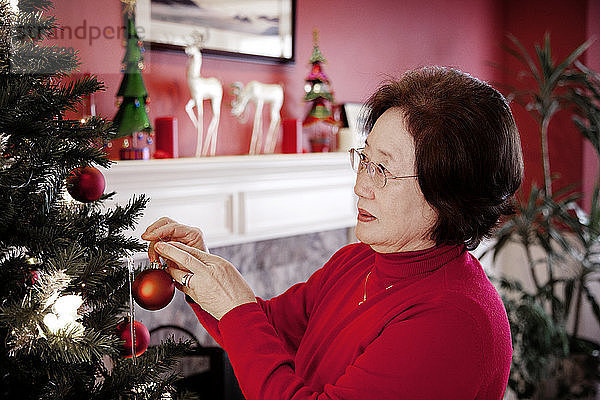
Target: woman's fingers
x,y
166,229
212,282
171,264
180,287
178,275
167,232
151,252
203,256
185,289
162,233
154,233
180,254
150,234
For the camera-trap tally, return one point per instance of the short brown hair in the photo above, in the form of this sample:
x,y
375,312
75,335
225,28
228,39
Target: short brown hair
x,y
467,148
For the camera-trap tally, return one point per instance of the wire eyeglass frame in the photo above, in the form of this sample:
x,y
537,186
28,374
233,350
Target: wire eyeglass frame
x,y
376,172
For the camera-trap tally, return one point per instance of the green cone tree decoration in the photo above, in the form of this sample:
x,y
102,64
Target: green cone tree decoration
x,y
132,115
317,88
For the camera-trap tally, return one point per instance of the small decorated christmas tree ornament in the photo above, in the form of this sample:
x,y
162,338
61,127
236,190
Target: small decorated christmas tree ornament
x,y
319,122
317,82
153,289
141,338
86,184
132,117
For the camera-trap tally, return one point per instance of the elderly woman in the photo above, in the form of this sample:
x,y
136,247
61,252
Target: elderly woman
x,y
408,312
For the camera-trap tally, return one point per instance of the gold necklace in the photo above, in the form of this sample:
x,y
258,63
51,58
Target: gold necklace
x,y
365,291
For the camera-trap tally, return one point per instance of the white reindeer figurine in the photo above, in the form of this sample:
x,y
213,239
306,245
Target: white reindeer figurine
x,y
259,93
200,89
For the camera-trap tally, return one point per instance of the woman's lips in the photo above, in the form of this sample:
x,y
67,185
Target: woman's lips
x,y
364,216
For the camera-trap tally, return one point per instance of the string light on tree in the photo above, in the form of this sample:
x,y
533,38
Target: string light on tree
x,y
45,291
64,316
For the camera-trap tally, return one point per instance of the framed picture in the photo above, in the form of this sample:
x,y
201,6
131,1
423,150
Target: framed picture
x,y
353,115
254,29
352,134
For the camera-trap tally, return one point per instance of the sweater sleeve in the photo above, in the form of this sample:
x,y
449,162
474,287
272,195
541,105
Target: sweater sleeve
x,y
209,322
288,313
431,355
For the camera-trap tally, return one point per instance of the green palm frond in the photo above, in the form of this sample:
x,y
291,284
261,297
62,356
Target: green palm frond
x,y
545,316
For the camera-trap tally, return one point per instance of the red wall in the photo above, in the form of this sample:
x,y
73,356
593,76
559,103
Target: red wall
x,y
364,41
566,22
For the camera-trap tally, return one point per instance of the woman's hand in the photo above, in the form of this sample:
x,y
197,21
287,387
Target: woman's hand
x,y
166,229
216,285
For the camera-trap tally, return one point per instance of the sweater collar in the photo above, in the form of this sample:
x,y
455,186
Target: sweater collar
x,y
414,263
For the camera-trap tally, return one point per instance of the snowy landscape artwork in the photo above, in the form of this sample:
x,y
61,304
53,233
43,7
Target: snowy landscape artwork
x,y
247,28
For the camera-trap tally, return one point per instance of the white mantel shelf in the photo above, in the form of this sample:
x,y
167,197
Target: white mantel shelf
x,y
238,199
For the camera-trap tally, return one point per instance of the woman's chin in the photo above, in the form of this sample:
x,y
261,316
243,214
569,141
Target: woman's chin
x,y
363,234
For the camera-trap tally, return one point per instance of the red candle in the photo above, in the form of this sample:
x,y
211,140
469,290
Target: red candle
x,y
292,136
166,137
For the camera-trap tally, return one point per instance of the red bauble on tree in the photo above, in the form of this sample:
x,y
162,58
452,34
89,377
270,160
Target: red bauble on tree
x,y
153,289
86,184
33,277
142,338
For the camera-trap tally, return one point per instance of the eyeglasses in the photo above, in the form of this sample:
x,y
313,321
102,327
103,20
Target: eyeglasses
x,y
377,172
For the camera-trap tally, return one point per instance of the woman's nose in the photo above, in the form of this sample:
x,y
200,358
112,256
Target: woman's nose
x,y
363,186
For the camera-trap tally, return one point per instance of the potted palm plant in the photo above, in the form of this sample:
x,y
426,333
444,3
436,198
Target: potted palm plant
x,y
560,242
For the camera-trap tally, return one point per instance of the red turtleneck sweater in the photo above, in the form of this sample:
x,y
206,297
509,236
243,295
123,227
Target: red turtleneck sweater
x,y
439,332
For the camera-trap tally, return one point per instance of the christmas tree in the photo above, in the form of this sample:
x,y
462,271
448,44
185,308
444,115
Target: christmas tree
x,y
319,122
132,116
63,287
317,88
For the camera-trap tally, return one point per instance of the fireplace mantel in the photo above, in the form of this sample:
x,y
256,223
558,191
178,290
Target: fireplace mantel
x,y
238,199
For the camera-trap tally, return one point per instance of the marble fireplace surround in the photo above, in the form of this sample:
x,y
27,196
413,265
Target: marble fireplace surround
x,y
277,218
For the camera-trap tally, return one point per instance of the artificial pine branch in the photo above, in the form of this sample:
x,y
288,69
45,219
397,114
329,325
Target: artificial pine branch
x,y
72,93
31,6
66,347
147,372
124,217
53,249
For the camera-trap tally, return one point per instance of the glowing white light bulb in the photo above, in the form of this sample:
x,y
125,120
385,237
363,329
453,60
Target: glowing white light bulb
x,y
64,315
66,306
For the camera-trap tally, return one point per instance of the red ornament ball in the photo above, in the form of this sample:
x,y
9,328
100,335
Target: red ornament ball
x,y
142,338
33,277
153,289
86,184
30,278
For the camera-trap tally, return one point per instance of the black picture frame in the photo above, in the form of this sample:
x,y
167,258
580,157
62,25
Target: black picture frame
x,y
241,33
